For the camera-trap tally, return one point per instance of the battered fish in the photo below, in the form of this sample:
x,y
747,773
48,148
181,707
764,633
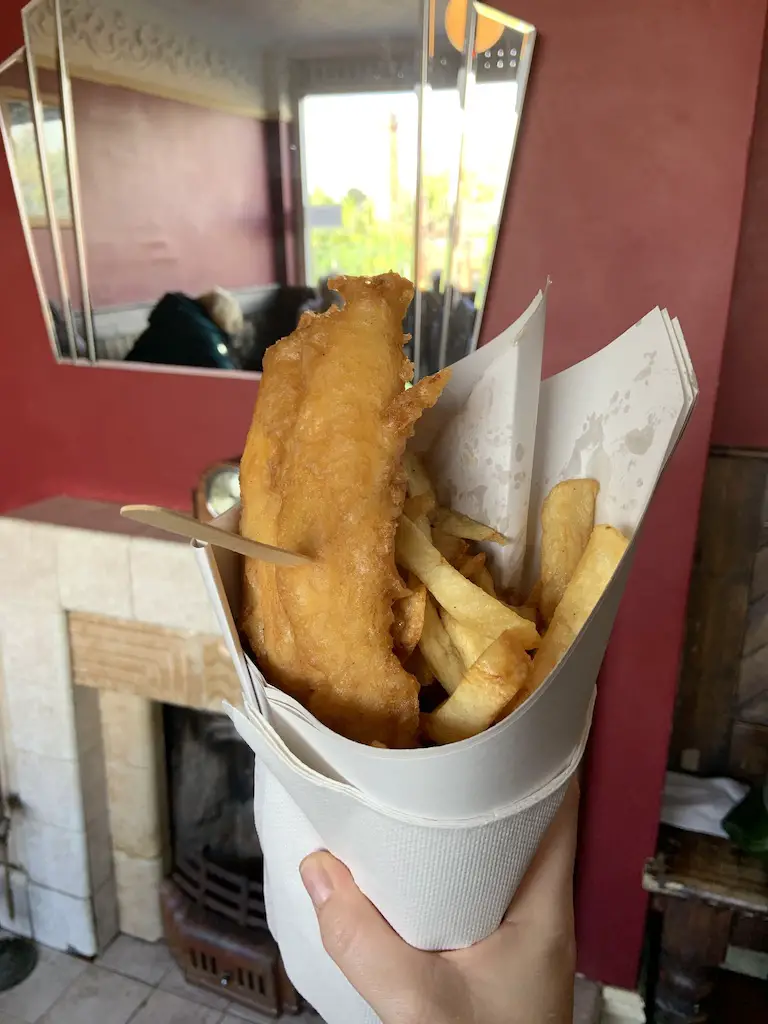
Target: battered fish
x,y
321,474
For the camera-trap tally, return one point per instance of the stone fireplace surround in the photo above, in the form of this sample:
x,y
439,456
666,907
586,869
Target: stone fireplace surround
x,y
100,621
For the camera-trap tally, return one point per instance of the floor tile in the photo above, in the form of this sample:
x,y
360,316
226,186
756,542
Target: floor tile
x,y
53,975
230,1018
166,1008
144,961
98,997
237,1014
175,982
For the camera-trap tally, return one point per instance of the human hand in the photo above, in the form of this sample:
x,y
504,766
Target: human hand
x,y
522,974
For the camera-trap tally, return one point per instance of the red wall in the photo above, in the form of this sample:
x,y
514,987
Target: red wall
x,y
741,415
627,190
174,196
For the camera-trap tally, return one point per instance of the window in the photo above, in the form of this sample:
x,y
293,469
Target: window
x,y
17,115
359,177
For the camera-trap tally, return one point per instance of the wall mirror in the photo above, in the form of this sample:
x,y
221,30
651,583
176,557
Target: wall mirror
x,y
216,164
33,138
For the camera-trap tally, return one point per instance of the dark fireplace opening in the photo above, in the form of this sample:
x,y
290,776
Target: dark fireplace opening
x,y
210,785
213,902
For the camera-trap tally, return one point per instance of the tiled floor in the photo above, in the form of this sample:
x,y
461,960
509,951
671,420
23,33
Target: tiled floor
x,y
133,983
139,983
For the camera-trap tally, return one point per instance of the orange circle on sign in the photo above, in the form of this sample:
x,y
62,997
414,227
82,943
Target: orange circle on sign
x,y
487,32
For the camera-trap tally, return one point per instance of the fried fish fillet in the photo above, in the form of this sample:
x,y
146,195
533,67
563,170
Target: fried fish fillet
x,y
321,474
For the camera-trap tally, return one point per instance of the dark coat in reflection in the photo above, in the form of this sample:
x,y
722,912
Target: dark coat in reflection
x,y
275,318
461,324
180,333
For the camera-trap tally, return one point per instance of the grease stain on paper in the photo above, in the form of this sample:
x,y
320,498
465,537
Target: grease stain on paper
x,y
645,373
639,441
589,457
477,497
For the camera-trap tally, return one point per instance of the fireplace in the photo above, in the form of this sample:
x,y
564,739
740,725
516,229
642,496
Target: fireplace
x,y
213,902
112,667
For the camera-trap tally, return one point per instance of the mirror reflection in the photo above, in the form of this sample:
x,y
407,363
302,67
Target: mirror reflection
x,y
216,167
20,140
475,69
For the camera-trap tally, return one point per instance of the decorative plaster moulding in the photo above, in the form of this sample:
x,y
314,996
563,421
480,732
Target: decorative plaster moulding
x,y
115,46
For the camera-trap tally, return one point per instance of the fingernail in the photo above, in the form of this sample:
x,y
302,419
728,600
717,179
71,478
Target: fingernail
x,y
316,881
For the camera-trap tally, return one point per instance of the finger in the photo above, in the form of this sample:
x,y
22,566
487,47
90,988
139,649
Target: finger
x,y
387,972
546,893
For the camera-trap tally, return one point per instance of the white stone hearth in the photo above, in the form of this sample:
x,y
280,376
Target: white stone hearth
x,y
90,845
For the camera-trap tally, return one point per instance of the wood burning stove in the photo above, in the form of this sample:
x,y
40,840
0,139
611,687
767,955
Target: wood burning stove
x,y
213,902
216,929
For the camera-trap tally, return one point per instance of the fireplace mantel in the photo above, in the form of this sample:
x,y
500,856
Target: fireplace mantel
x,y
100,619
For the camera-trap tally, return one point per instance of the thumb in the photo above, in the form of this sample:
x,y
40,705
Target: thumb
x,y
387,972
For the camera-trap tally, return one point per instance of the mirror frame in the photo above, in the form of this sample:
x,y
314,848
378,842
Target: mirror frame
x,y
73,180
45,173
18,56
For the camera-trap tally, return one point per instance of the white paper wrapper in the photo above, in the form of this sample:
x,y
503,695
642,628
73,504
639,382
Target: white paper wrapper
x,y
439,838
446,883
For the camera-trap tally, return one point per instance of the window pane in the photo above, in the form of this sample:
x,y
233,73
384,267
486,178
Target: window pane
x,y
359,167
27,164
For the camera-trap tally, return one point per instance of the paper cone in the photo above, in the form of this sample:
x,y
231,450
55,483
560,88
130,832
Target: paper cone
x,y
439,838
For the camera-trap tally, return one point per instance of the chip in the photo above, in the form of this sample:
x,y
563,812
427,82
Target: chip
x,y
457,525
441,656
593,574
459,596
409,617
468,642
492,683
567,518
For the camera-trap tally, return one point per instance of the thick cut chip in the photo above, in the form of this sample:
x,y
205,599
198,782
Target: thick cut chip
x,y
424,525
453,549
409,618
488,687
462,598
484,580
455,524
468,642
567,518
527,611
513,705
418,506
593,574
470,565
417,481
474,568
439,653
